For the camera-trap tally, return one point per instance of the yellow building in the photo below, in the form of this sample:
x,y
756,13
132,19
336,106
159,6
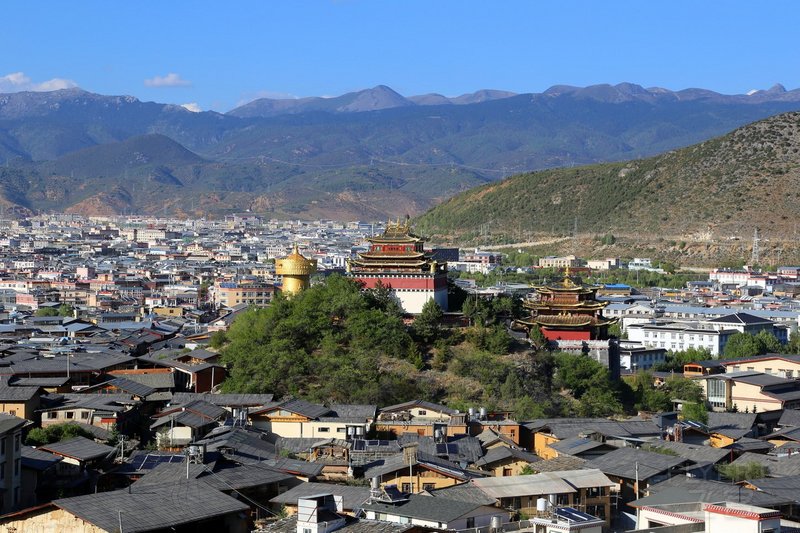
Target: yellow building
x,y
296,271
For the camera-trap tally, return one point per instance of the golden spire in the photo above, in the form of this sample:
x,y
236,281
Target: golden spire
x,y
567,278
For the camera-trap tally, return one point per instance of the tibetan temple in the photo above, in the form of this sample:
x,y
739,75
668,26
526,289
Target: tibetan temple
x,y
568,311
396,259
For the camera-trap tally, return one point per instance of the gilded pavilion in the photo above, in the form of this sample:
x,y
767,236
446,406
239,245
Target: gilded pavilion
x,y
567,310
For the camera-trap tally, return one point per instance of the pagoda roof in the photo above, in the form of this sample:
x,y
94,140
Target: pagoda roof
x,y
568,321
588,305
391,255
396,232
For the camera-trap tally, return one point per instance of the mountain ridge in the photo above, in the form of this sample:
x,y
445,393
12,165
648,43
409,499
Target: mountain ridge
x,y
58,149
716,187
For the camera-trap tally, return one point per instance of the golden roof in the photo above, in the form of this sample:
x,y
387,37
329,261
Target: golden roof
x,y
295,264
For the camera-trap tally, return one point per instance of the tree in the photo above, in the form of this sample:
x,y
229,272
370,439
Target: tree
x,y
55,433
217,339
426,324
608,239
695,411
768,343
65,310
325,344
537,338
741,345
46,311
741,472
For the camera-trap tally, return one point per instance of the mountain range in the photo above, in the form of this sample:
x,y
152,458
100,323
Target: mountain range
x,y
717,190
367,154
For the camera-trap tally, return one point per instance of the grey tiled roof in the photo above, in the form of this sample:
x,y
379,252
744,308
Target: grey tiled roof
x,y
418,403
221,475
778,466
462,449
466,492
244,445
426,508
721,421
123,384
560,463
225,400
79,448
352,525
576,445
351,413
397,462
502,452
38,459
684,489
352,497
153,508
694,452
790,417
156,380
783,487
295,467
623,463
17,393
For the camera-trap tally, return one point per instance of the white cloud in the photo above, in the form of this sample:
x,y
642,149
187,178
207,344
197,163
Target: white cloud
x,y
170,80
19,81
192,106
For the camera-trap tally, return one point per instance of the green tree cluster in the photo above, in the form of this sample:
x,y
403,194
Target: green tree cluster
x,y
648,397
741,345
741,472
55,433
328,343
695,411
590,384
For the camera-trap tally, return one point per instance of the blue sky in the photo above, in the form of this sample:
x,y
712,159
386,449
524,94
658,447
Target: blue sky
x,y
220,54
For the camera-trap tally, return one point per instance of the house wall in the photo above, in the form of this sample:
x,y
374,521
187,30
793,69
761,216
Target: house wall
x,y
11,465
420,428
420,479
54,521
775,367
745,395
541,445
507,467
21,409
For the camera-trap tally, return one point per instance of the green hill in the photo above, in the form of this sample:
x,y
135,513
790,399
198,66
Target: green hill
x,y
725,186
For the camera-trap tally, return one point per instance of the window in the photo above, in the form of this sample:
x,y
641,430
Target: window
x,y
17,441
324,430
2,446
84,415
422,412
70,414
12,412
3,470
406,487
470,522
768,371
429,486
17,464
52,414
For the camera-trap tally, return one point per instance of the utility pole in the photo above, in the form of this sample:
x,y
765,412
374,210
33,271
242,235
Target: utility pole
x,y
754,258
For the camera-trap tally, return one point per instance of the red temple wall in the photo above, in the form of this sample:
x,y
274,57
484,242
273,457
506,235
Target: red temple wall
x,y
567,335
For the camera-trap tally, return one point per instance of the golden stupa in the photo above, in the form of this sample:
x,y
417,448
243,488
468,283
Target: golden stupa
x,y
296,271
